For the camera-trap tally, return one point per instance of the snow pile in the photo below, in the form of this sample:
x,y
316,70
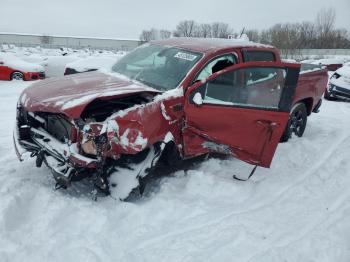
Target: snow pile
x,y
328,61
55,65
296,211
91,63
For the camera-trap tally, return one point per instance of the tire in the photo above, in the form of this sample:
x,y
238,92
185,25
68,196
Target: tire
x,y
170,156
17,76
328,97
296,123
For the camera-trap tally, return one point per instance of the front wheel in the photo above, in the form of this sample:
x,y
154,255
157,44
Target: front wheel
x,y
17,76
327,96
296,123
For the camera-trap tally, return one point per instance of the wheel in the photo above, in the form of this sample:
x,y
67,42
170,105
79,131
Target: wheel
x,y
170,155
327,96
296,123
17,76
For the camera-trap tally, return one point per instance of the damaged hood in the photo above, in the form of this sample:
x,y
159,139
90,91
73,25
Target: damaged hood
x,y
70,95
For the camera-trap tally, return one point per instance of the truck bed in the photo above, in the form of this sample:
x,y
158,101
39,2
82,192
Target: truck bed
x,y
312,83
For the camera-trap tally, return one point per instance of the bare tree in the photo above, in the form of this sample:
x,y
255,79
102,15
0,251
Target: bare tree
x,y
186,28
205,30
145,36
341,39
265,37
148,35
307,35
289,37
325,23
220,30
253,35
164,34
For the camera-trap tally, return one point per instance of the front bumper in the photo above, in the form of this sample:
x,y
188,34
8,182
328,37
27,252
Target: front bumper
x,y
63,160
338,92
34,76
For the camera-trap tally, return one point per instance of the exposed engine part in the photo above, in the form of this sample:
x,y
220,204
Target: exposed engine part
x,y
100,109
58,127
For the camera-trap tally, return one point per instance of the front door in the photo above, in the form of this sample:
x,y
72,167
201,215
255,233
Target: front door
x,y
241,110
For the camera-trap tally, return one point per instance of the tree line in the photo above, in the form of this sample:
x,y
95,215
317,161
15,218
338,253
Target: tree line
x,y
289,37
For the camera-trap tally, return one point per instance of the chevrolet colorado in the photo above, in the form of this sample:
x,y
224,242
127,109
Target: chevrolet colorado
x,y
171,99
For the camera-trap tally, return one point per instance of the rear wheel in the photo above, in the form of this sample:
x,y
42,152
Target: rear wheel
x,y
296,123
17,76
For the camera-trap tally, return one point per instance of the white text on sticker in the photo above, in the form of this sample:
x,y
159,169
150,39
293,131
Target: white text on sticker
x,y
185,56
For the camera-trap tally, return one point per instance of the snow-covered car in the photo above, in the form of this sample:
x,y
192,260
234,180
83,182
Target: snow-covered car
x,y
332,64
55,65
14,68
89,64
339,84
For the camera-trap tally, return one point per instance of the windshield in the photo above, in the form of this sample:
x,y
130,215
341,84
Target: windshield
x,y
160,67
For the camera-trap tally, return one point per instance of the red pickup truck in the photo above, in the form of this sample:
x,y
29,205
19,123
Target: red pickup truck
x,y
166,100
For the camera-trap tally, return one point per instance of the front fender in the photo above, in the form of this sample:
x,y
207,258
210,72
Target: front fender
x,y
132,131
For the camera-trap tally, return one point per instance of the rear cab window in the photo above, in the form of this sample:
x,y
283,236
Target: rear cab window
x,y
258,55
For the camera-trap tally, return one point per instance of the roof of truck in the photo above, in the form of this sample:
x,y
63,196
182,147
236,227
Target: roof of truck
x,y
205,45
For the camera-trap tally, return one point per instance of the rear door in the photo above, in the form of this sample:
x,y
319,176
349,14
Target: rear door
x,y
241,110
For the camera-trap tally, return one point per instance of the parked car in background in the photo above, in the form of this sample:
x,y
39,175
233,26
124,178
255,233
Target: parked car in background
x,y
55,65
14,68
89,64
331,64
339,84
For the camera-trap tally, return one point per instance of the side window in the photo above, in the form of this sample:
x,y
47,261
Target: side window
x,y
258,56
216,65
259,87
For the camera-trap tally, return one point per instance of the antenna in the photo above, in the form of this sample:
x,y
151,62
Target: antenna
x,y
242,32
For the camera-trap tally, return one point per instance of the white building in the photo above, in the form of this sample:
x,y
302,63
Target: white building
x,y
49,41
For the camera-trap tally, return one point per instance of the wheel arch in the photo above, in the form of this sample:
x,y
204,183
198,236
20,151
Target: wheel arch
x,y
308,102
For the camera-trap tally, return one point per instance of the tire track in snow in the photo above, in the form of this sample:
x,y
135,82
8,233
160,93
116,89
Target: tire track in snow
x,y
333,212
275,199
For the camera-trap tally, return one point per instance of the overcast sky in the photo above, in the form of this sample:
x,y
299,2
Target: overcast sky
x,y
127,18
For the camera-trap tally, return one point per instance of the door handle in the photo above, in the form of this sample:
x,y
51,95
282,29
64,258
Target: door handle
x,y
271,126
267,123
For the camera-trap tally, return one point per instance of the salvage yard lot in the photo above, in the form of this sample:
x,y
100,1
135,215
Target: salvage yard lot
x,y
296,211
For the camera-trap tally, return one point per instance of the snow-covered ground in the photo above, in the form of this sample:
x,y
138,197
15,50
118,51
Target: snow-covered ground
x,y
296,211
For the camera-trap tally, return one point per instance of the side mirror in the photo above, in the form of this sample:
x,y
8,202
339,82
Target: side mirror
x,y
197,99
1,62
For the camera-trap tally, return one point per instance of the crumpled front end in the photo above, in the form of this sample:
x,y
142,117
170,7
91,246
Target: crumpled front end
x,y
52,139
109,134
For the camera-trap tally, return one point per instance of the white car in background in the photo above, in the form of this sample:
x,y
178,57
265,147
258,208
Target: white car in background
x,y
55,65
90,64
339,84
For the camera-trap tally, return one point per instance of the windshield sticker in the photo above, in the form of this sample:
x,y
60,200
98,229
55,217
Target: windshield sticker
x,y
185,56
